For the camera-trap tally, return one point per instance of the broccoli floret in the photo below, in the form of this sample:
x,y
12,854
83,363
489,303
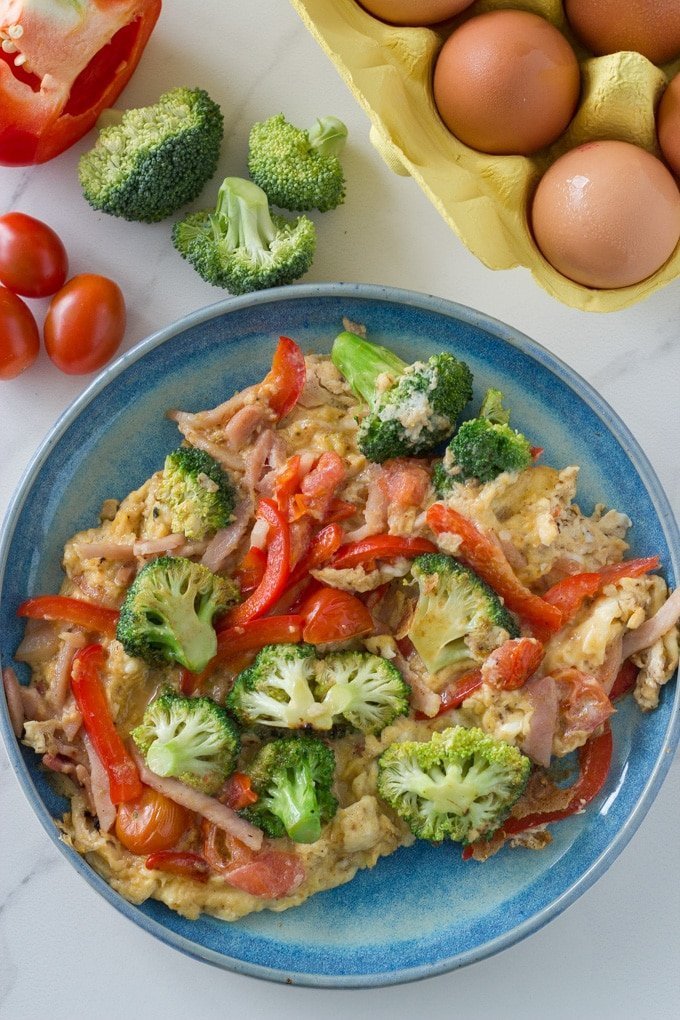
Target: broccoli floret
x,y
155,159
198,492
364,689
168,612
461,784
292,778
241,245
412,408
191,739
483,447
278,690
458,618
298,169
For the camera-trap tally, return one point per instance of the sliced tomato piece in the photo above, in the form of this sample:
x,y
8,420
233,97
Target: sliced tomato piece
x,y
238,793
88,615
340,510
287,377
318,488
380,547
455,693
331,614
511,664
569,594
487,559
404,481
179,862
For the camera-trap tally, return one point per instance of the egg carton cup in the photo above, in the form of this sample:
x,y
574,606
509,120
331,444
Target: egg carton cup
x,y
486,199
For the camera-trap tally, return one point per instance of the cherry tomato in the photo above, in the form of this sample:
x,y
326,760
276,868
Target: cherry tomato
x,y
331,614
151,823
85,324
19,336
33,261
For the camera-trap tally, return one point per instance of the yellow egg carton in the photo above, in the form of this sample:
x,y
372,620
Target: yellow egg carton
x,y
486,198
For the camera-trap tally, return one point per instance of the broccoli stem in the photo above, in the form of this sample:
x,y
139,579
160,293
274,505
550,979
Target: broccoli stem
x,y
295,802
328,136
362,362
242,218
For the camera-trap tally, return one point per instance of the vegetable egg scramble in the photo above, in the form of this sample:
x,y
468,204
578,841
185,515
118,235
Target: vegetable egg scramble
x,y
352,609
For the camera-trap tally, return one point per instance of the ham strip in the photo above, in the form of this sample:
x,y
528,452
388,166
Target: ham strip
x,y
654,628
155,546
226,540
60,687
99,788
15,705
208,807
105,551
240,429
542,691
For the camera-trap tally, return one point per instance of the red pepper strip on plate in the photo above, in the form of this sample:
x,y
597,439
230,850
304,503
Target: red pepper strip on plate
x,y
287,484
594,762
511,664
455,694
88,691
179,862
233,642
238,793
625,680
323,546
486,558
88,615
250,570
287,377
86,54
331,614
380,547
569,594
277,571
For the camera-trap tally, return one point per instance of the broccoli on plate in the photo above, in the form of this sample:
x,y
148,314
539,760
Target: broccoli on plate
x,y
292,777
298,169
366,690
460,784
190,739
151,161
483,447
198,492
168,612
458,618
412,408
241,245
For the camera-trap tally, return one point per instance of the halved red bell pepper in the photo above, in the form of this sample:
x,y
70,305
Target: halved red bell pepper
x,y
287,377
88,615
276,572
88,691
380,547
331,614
569,594
61,64
488,560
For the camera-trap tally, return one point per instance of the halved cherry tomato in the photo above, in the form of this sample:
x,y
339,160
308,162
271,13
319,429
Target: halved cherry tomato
x,y
85,324
488,560
287,377
511,664
250,570
88,691
331,614
625,680
276,573
380,547
33,261
152,822
19,335
88,615
569,594
238,793
318,488
179,862
270,874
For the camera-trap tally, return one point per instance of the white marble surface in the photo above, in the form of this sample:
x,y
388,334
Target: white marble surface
x,y
63,951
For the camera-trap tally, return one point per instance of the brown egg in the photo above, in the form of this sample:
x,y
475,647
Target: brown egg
x,y
668,123
607,214
650,27
415,12
506,82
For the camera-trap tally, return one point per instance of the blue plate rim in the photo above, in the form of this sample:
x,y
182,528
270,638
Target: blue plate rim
x,y
585,392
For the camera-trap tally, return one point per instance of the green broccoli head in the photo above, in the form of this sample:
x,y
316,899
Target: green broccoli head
x,y
483,448
292,778
156,158
412,408
191,739
365,690
241,245
458,618
278,690
198,492
168,612
298,169
460,785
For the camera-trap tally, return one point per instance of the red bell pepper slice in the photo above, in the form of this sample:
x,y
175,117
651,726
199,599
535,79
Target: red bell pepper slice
x,y
594,763
276,572
340,510
238,792
287,377
88,691
250,570
88,615
486,558
455,694
625,680
323,547
569,594
380,547
179,862
331,614
88,55
287,484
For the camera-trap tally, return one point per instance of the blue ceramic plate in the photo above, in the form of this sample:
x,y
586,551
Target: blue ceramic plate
x,y
422,911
